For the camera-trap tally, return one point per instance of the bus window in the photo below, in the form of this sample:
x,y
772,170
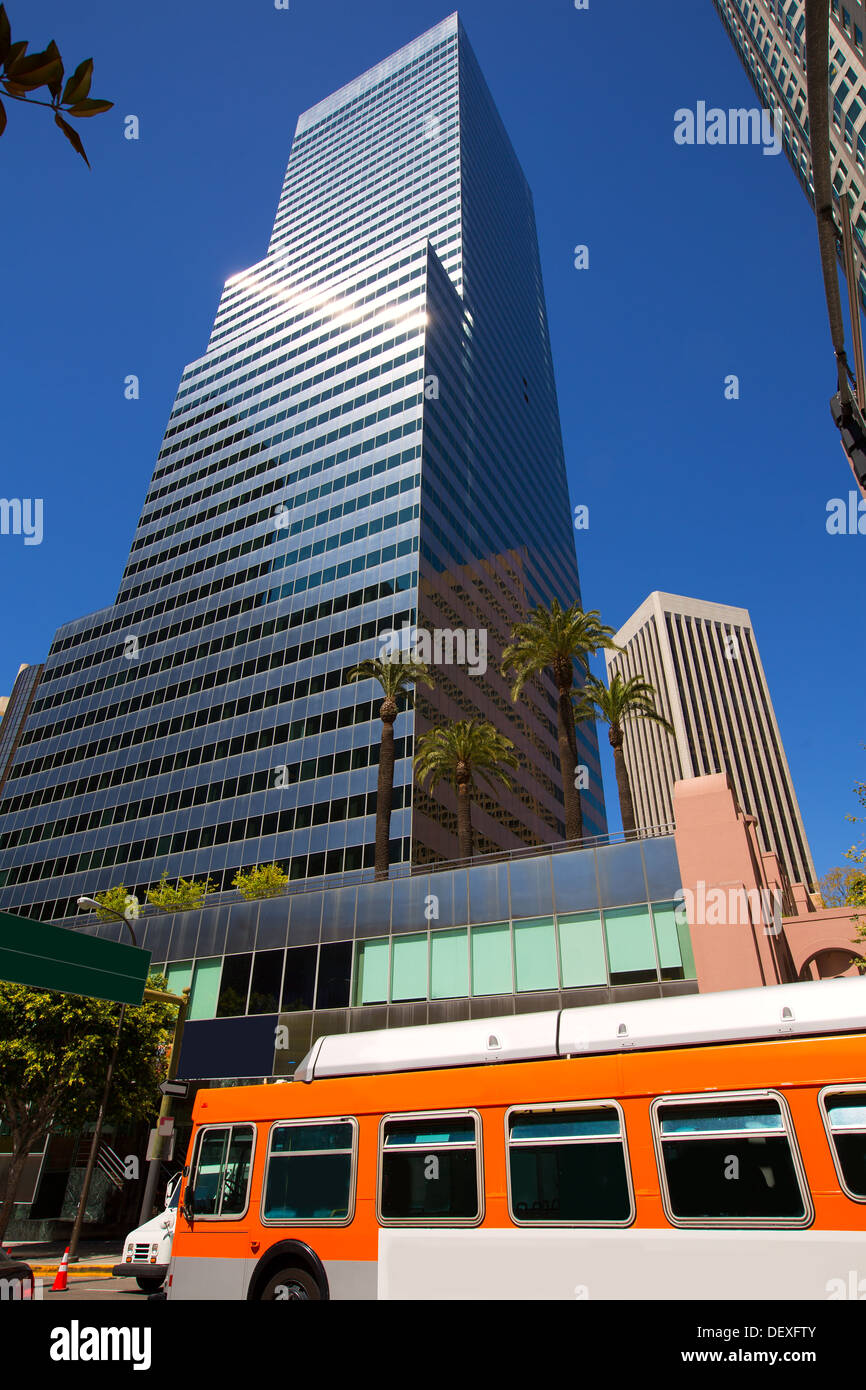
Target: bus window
x,y
429,1169
729,1159
845,1121
568,1165
220,1177
236,1179
309,1172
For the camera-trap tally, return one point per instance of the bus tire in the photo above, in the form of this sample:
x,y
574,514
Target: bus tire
x,y
290,1284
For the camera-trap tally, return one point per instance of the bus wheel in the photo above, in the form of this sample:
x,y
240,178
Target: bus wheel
x,y
290,1284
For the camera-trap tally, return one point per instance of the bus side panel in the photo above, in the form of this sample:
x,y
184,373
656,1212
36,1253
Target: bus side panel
x,y
352,1279
208,1277
627,1264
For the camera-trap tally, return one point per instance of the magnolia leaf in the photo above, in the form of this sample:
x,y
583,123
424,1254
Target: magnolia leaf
x,y
16,50
90,107
24,63
56,83
78,85
36,70
72,136
5,34
50,75
2,118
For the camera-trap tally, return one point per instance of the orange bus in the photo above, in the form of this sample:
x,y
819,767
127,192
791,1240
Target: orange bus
x,y
709,1146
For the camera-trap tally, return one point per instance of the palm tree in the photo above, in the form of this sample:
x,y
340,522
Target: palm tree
x,y
394,677
458,753
556,638
625,699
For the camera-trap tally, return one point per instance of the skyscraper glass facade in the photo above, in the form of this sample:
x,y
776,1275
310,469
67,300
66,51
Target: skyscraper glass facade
x,y
770,39
371,442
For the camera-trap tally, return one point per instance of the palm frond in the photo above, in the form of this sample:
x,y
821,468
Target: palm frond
x,y
553,635
394,677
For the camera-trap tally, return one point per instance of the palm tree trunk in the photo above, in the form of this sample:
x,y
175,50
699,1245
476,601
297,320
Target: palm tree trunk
x,y
384,798
568,763
464,819
626,805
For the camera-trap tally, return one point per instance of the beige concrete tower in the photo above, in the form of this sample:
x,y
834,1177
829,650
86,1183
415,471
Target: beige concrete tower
x,y
703,660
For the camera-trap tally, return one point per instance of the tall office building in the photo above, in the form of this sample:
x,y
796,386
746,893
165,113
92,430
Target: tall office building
x,y
769,37
703,660
370,442
14,711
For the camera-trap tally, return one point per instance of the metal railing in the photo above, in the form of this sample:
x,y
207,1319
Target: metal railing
x,y
353,877
112,1164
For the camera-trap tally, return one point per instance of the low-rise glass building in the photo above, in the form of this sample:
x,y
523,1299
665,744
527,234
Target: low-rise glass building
x,y
520,932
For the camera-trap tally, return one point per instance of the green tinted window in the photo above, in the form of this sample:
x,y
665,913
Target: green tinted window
x,y
535,964
491,959
630,947
371,971
674,943
409,967
581,949
449,964
205,988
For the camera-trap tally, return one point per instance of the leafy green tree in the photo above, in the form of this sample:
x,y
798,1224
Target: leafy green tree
x,y
557,639
23,73
264,881
841,887
178,897
54,1052
113,901
459,753
623,700
855,892
394,677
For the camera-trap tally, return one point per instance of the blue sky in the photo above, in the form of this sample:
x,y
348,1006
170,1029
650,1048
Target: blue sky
x,y
703,263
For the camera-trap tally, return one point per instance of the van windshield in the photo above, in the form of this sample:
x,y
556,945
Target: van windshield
x,y
171,1204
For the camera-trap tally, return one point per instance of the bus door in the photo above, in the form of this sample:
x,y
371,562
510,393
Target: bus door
x,y
213,1251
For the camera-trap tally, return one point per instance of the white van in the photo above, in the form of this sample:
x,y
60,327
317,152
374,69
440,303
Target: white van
x,y
147,1249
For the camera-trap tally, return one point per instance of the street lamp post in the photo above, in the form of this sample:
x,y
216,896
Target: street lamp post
x,y
100,1119
165,1107
150,996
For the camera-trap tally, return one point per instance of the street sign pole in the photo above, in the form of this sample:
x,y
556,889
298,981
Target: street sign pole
x,y
44,956
155,1163
96,1141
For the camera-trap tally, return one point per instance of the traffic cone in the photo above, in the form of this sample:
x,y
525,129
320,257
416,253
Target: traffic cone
x,y
59,1285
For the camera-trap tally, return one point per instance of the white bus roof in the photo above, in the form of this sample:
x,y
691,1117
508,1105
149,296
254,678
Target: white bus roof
x,y
802,1009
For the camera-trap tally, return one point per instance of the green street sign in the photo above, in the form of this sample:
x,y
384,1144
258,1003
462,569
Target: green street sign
x,y
50,957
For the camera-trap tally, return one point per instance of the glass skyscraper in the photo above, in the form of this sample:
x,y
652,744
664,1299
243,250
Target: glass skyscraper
x,y
770,39
371,442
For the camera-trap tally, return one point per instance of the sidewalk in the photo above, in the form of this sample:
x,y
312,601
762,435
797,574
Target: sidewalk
x,y
95,1257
